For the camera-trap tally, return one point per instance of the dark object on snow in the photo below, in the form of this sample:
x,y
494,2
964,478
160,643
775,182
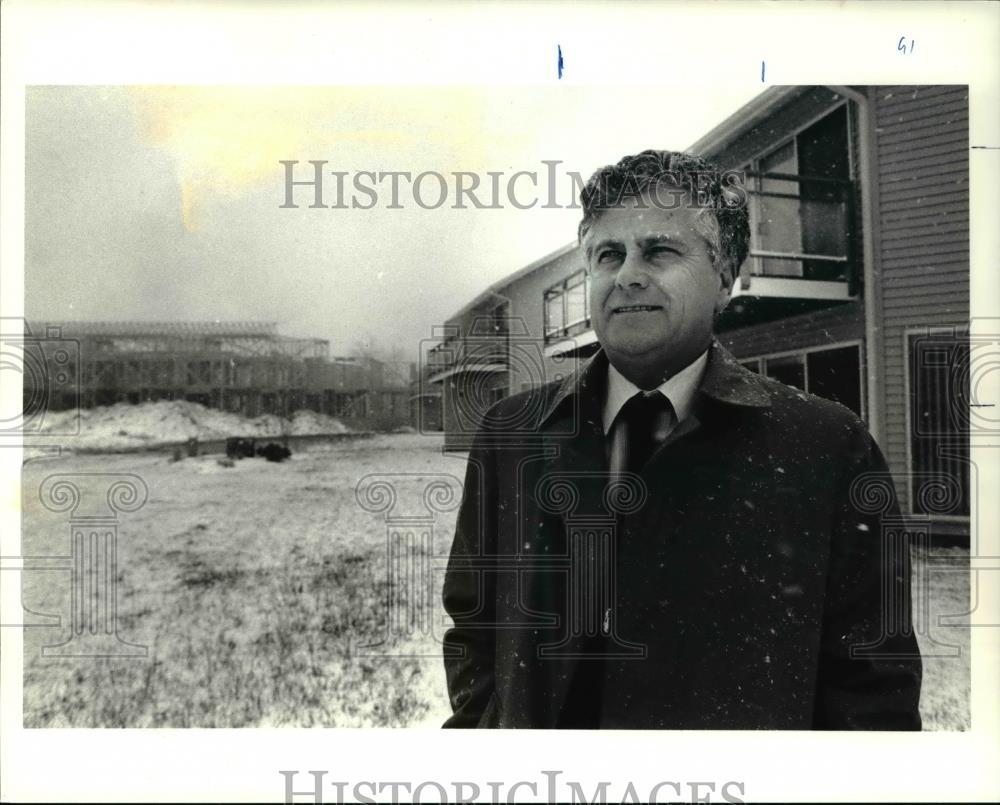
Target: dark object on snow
x,y
192,447
240,448
274,452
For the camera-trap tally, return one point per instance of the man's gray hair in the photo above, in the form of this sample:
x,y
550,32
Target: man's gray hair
x,y
723,219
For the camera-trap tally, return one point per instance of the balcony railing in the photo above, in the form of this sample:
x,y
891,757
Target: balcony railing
x,y
801,227
472,354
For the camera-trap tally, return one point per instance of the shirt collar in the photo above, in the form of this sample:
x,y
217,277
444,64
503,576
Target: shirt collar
x,y
679,389
724,380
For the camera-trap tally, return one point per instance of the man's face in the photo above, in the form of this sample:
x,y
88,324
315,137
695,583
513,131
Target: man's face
x,y
654,289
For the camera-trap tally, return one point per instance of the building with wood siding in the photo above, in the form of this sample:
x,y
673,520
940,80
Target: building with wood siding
x,y
856,287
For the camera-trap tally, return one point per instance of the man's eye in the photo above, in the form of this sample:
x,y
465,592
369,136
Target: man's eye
x,y
609,257
663,251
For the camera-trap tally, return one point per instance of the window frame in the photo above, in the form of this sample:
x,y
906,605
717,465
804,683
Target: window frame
x,y
857,343
908,399
560,291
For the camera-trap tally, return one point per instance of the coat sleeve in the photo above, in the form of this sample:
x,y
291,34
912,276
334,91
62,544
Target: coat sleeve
x,y
869,667
469,593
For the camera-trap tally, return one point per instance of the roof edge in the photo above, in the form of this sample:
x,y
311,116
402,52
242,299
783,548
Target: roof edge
x,y
746,116
510,278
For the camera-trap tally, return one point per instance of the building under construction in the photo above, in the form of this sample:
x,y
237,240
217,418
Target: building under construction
x,y
243,367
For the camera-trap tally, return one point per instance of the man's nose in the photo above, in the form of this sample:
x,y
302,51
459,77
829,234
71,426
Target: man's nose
x,y
632,273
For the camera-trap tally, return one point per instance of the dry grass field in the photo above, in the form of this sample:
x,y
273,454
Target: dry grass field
x,y
254,586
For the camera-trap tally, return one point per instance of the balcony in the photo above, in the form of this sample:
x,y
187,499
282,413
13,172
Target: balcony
x,y
473,354
802,248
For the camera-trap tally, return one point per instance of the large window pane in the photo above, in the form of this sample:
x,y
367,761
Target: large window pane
x,y
790,370
554,314
822,148
576,304
778,226
836,375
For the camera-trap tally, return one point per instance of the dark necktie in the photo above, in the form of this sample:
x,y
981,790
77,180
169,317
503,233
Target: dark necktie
x,y
641,415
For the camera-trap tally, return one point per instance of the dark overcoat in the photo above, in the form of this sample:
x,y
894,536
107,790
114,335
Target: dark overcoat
x,y
757,575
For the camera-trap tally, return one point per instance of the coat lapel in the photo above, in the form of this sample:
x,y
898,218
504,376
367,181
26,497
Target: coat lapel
x,y
567,485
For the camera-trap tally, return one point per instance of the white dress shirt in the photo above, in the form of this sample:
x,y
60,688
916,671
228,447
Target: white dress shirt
x,y
679,389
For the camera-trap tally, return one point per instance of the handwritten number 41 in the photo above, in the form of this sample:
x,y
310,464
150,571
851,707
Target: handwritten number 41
x,y
903,47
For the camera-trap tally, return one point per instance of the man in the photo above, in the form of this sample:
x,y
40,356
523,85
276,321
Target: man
x,y
675,542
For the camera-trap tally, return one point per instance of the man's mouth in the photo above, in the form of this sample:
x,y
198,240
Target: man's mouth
x,y
636,308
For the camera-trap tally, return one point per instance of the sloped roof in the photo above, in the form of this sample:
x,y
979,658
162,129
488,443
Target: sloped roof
x,y
499,285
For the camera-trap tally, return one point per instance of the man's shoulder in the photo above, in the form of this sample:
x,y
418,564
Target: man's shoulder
x,y
792,409
770,403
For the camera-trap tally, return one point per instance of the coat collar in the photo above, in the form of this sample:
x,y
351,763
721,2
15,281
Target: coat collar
x,y
724,381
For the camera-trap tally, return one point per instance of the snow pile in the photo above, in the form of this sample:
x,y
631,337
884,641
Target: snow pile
x,y
305,423
123,425
264,425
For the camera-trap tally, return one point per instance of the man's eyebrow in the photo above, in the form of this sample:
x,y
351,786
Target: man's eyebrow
x,y
655,240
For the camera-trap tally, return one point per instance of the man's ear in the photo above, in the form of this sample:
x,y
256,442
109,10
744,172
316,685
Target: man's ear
x,y
726,282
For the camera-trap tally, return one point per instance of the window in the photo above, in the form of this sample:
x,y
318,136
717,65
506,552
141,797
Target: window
x,y
567,307
939,423
790,370
800,196
779,226
199,373
576,310
836,375
830,372
553,313
500,319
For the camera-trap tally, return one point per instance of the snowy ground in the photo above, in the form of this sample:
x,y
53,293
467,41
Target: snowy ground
x,y
123,425
257,587
253,586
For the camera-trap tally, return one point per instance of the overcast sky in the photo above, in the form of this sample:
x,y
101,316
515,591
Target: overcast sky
x,y
157,203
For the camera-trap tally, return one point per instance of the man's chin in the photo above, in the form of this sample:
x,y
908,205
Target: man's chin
x,y
634,349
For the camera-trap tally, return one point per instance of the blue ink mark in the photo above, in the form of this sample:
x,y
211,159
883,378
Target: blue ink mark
x,y
559,47
762,72
901,45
